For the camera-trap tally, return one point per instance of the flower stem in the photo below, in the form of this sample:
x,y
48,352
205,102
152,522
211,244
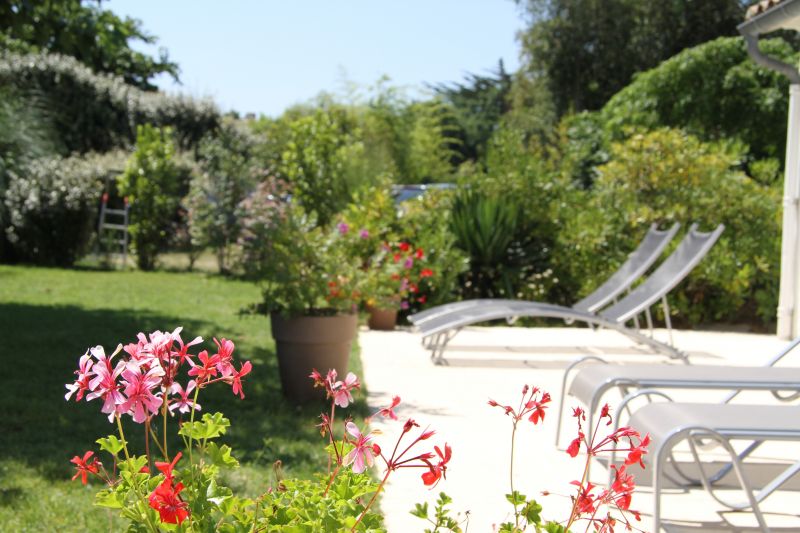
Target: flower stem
x,y
191,420
574,513
164,415
122,436
511,475
372,500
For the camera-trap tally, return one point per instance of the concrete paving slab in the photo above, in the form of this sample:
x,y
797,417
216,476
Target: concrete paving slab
x,y
495,363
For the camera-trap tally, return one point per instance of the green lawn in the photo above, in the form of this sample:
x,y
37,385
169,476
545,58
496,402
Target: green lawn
x,y
48,318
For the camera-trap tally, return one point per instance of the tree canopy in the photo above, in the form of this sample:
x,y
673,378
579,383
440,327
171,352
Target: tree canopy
x,y
84,30
589,49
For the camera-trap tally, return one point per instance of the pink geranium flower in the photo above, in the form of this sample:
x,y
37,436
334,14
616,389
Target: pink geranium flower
x,y
104,384
236,378
183,404
224,356
363,455
340,390
206,369
84,374
140,400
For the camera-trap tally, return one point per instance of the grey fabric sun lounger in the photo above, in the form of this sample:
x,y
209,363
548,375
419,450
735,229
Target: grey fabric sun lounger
x,y
691,250
668,424
647,380
631,270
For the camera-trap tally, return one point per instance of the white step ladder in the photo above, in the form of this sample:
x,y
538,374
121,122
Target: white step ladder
x,y
113,228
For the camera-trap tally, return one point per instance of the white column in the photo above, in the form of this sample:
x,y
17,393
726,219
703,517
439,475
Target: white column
x,y
788,315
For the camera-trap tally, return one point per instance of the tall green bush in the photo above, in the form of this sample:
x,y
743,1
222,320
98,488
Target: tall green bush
x,y
151,182
52,206
714,91
316,159
668,176
227,174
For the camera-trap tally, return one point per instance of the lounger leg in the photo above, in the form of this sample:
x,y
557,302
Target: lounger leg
x,y
440,343
670,351
667,319
737,466
563,397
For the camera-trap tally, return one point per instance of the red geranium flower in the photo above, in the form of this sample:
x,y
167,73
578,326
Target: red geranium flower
x,y
167,501
82,465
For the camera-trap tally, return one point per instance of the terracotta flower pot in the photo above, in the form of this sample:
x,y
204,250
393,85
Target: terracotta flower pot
x,y
382,319
307,342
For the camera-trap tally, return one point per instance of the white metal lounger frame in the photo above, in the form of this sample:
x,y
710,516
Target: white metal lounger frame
x,y
694,246
698,433
632,269
635,387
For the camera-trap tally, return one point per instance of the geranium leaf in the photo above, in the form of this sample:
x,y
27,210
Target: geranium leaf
x,y
111,444
221,455
211,426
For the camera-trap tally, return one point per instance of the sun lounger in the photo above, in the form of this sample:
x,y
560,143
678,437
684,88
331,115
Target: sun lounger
x,y
694,246
631,270
668,424
638,380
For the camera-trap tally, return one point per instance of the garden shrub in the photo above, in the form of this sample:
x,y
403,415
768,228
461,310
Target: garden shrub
x,y
152,183
52,206
502,220
227,174
425,222
25,135
315,162
715,91
668,176
261,213
98,112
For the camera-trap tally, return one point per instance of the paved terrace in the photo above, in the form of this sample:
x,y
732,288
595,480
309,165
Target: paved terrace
x,y
495,363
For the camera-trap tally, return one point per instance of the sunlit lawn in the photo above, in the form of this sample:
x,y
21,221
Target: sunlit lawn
x,y
48,317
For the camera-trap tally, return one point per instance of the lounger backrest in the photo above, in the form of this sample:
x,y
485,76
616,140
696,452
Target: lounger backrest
x,y
632,269
691,250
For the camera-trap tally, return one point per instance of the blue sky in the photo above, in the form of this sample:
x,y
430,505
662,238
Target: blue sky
x,y
264,55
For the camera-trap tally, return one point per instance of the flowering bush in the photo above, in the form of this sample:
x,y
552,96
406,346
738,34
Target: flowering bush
x,y
306,269
398,277
182,492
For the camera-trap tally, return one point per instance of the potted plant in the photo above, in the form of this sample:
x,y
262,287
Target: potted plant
x,y
312,286
397,274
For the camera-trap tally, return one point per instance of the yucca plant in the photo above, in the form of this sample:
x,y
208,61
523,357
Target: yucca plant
x,y
501,241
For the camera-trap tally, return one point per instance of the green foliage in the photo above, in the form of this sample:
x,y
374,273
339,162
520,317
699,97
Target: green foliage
x,y
151,182
97,112
714,91
425,222
587,50
93,35
24,135
666,176
316,159
306,268
441,521
227,176
210,427
51,204
302,505
501,220
430,143
477,105
347,145
261,213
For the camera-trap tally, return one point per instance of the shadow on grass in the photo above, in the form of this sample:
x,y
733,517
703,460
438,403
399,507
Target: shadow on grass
x,y
41,347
